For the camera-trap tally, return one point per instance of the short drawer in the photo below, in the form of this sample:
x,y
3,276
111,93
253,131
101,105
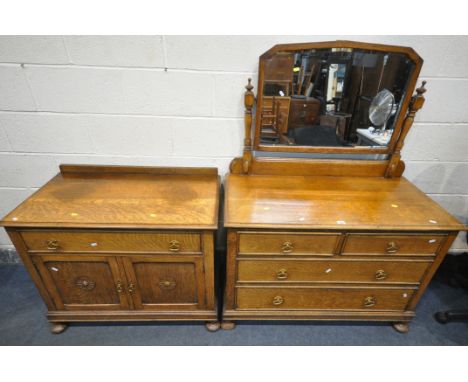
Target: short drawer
x,y
363,271
98,241
322,298
369,244
287,243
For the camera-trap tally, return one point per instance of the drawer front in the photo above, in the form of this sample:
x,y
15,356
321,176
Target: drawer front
x,y
287,243
322,298
96,241
406,272
425,245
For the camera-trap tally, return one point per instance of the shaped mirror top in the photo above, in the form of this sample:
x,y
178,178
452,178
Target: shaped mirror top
x,y
333,97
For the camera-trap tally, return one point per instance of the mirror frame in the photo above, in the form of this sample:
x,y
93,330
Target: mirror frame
x,y
409,52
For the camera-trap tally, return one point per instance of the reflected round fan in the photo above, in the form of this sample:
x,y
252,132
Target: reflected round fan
x,y
381,108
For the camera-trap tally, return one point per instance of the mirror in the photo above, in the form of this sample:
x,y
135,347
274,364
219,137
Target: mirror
x,y
333,97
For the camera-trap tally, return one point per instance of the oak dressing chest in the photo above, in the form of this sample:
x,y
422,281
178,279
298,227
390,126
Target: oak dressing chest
x,y
332,231
115,243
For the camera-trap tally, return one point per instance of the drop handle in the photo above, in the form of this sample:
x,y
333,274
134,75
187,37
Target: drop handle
x,y
52,244
278,300
381,275
282,274
392,247
370,301
174,246
287,247
131,287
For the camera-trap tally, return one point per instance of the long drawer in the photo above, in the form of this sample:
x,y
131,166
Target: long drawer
x,y
317,270
283,243
381,244
98,241
322,298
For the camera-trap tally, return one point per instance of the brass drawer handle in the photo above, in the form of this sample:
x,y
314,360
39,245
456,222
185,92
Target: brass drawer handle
x,y
370,301
278,300
392,247
287,247
381,275
52,244
119,287
131,287
282,274
174,246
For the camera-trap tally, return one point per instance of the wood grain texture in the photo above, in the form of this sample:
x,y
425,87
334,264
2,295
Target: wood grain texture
x,y
70,169
289,243
209,270
319,315
61,276
432,269
116,243
392,244
391,237
121,199
311,167
112,241
328,202
286,271
321,298
165,285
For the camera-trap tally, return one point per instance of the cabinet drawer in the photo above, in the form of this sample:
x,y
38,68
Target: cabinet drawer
x,y
97,241
368,244
322,298
363,271
287,243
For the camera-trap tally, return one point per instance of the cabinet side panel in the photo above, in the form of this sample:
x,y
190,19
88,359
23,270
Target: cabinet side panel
x,y
230,269
23,253
431,270
208,256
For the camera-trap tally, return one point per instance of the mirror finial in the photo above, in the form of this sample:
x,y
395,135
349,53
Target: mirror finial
x,y
421,90
249,86
249,100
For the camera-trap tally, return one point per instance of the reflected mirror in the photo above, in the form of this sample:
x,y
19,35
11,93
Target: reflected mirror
x,y
346,96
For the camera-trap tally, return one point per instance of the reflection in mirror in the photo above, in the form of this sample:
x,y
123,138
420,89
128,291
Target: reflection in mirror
x,y
339,97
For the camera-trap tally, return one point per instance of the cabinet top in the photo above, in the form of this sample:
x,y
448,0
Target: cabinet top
x,y
331,203
123,197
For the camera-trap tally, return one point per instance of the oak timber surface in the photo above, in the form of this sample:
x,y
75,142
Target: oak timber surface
x,y
326,202
121,200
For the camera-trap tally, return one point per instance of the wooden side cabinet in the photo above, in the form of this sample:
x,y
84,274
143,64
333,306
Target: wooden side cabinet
x,y
141,247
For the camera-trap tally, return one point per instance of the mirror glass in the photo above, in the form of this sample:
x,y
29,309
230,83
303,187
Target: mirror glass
x,y
333,97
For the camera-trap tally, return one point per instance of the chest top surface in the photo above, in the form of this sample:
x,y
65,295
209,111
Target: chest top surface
x,y
123,197
326,202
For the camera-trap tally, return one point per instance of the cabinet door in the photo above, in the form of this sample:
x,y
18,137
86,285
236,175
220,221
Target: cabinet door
x,y
166,282
83,282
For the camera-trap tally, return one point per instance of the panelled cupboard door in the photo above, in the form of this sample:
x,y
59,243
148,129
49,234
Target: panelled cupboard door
x,y
83,282
165,283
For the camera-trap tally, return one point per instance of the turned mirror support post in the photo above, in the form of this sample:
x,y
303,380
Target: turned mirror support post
x,y
249,100
396,166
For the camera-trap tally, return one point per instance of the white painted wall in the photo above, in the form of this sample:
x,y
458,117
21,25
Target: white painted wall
x,y
177,100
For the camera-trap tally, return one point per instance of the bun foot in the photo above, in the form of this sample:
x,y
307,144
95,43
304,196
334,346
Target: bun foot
x,y
401,327
228,325
57,328
212,326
